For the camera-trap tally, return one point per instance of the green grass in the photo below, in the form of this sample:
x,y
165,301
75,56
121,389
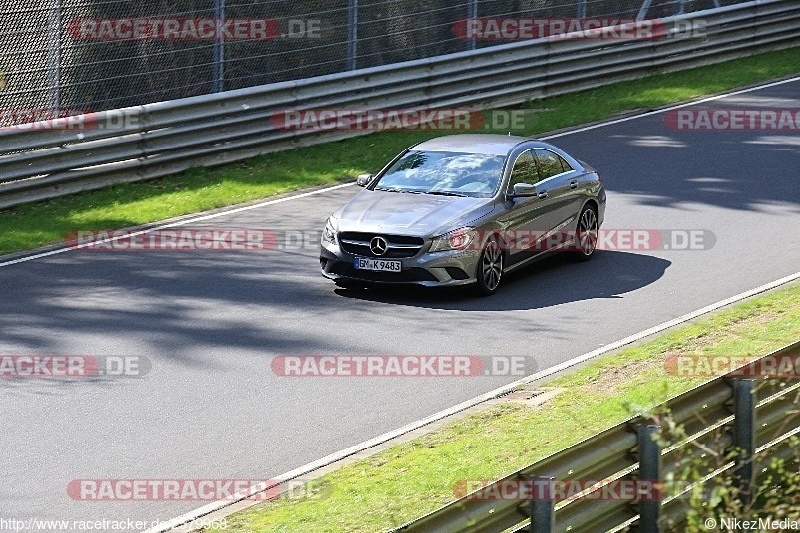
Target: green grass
x,y
47,222
410,479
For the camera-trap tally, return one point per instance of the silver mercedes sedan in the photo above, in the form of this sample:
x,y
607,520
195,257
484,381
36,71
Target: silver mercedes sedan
x,y
464,209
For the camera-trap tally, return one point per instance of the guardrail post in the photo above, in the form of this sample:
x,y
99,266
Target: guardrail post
x,y
744,435
352,34
542,506
650,471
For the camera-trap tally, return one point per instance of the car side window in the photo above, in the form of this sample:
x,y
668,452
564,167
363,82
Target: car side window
x,y
566,166
549,163
524,170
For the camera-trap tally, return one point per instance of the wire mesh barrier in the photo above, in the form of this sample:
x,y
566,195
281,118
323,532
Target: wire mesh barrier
x,y
61,57
56,157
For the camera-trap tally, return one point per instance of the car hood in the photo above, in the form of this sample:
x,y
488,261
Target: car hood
x,y
410,214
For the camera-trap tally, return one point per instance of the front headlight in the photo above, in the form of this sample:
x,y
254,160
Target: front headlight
x,y
329,233
459,239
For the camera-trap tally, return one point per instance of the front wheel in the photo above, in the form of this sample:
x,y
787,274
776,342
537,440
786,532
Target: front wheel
x,y
490,267
586,236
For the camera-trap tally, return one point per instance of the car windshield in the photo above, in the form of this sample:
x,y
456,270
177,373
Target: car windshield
x,y
445,173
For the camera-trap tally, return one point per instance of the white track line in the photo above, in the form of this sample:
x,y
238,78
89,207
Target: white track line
x,y
678,106
174,224
305,194
332,458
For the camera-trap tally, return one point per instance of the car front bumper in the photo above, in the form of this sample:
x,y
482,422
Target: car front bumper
x,y
429,269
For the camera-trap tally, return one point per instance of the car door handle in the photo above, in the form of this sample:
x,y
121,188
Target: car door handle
x,y
573,184
542,195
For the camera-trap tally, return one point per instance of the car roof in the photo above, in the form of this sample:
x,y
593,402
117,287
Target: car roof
x,y
488,144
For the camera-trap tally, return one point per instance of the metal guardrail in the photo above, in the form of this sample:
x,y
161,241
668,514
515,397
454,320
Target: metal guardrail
x,y
163,138
756,416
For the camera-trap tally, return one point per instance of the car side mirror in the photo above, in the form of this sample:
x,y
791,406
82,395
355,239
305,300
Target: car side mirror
x,y
363,180
522,190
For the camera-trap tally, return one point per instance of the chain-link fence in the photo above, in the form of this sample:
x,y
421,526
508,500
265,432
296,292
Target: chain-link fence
x,y
60,56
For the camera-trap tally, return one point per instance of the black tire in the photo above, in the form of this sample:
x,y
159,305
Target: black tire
x,y
586,234
490,268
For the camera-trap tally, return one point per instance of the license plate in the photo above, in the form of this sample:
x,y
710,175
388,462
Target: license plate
x,y
381,265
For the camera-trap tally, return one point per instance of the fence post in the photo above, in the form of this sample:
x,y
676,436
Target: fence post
x,y
54,59
643,10
650,471
219,48
744,437
542,506
472,13
352,34
581,9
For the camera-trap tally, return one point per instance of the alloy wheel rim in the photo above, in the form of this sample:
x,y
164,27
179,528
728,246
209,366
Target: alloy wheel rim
x,y
492,265
588,232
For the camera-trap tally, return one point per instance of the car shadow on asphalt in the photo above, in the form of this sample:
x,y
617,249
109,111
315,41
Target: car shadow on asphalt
x,y
551,281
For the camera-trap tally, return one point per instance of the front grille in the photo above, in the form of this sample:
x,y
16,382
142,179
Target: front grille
x,y
398,239
404,276
400,246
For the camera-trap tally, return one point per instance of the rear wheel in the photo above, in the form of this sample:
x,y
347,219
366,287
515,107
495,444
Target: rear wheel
x,y
586,236
490,267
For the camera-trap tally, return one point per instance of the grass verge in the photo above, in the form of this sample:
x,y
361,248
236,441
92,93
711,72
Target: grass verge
x,y
410,479
47,222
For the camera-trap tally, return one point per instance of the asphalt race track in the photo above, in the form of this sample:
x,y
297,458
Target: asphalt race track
x,y
211,322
